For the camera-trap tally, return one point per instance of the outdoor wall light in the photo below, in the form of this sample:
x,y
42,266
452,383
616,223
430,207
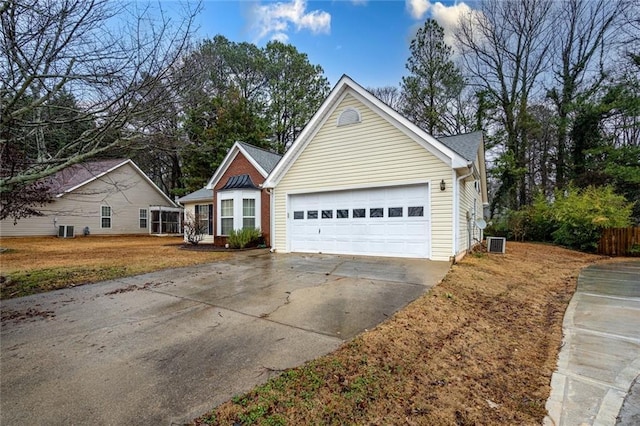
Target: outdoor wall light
x,y
442,185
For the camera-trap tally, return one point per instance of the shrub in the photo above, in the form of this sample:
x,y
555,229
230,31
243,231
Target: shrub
x,y
581,215
575,218
241,238
194,229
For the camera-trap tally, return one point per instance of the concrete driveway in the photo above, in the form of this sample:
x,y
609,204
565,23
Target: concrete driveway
x,y
600,357
165,347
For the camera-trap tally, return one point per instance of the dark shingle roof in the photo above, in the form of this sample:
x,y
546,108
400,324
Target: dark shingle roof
x,y
78,174
239,182
200,194
466,145
266,159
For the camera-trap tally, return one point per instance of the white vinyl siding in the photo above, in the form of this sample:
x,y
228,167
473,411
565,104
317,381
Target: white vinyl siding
x,y
123,189
470,199
373,153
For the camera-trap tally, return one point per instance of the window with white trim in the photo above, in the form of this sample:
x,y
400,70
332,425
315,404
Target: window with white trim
x,y
237,209
143,219
204,217
226,216
248,213
105,216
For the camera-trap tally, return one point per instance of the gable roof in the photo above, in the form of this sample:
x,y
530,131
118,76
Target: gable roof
x,y
264,161
471,147
348,86
202,194
76,176
466,144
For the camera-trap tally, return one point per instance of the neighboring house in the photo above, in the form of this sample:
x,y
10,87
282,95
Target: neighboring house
x,y
236,199
361,179
106,197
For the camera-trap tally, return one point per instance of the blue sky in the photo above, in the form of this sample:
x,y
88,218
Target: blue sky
x,y
366,39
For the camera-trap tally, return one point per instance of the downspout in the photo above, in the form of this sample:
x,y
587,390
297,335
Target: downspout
x,y
456,203
272,228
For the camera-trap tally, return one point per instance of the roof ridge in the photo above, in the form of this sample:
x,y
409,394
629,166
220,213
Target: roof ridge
x,y
259,148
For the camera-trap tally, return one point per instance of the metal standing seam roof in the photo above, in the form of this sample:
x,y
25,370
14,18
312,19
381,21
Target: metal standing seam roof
x,y
466,145
239,182
266,159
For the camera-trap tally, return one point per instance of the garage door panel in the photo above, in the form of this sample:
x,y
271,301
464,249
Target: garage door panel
x,y
339,229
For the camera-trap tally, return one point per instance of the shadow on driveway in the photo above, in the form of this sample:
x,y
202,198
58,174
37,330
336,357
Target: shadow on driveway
x,y
164,347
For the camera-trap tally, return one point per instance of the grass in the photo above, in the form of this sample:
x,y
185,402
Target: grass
x,y
35,265
478,349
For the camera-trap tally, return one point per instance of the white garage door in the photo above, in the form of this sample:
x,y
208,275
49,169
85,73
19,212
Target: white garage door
x,y
390,221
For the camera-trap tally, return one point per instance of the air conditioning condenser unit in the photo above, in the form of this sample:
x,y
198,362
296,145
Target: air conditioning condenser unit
x,y
496,244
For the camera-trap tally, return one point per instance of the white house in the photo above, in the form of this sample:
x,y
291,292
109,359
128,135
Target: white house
x,y
106,197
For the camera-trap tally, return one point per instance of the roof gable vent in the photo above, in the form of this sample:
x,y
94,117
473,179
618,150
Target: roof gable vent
x,y
349,116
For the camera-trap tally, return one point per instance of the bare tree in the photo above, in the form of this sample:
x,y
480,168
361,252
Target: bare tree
x,y
390,95
504,46
194,228
583,37
108,55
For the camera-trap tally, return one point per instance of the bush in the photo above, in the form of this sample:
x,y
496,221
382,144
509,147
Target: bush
x,y
575,218
241,238
581,215
532,223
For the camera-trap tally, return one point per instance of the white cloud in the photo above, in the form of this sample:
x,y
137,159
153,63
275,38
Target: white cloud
x,y
275,19
418,8
446,16
281,37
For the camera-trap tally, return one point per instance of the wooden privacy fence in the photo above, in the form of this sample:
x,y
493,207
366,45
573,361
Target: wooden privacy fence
x,y
620,242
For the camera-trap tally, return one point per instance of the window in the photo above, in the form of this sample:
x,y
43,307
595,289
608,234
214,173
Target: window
x,y
342,214
312,214
226,215
204,216
248,213
395,211
105,217
376,212
327,214
359,213
237,209
143,218
416,211
298,215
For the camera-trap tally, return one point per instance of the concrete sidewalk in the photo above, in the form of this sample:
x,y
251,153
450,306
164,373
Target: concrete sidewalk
x,y
600,356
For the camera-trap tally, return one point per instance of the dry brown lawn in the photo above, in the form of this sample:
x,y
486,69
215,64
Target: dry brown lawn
x,y
478,349
32,265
